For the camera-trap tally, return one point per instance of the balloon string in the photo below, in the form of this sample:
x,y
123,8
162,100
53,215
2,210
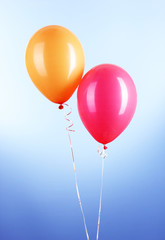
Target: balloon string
x,y
103,155
74,167
66,118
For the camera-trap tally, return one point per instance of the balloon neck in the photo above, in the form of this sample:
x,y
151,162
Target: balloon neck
x,y
61,107
105,147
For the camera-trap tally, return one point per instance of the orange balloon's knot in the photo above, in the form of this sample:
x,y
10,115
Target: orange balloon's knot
x,y
105,147
61,107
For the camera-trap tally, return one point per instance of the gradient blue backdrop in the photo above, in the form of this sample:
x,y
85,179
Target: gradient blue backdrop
x,y
37,190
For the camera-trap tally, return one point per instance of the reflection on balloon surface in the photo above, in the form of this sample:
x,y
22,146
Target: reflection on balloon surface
x,y
91,97
124,96
38,58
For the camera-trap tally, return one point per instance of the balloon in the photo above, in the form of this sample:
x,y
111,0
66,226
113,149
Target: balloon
x,y
55,62
106,101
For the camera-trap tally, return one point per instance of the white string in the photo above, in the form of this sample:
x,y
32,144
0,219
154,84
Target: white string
x,y
74,167
103,155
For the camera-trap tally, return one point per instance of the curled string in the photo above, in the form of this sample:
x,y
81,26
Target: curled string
x,y
68,128
103,155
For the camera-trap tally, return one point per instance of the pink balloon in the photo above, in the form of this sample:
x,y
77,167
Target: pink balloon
x,y
107,101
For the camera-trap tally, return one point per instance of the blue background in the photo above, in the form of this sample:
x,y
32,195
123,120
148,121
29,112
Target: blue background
x,y
37,191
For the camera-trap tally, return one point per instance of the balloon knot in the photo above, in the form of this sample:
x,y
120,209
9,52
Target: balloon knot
x,y
105,147
61,107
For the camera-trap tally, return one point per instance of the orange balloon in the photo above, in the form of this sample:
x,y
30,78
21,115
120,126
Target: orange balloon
x,y
55,62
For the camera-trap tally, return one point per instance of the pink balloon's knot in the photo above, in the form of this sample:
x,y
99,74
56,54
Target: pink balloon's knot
x,y
105,147
61,107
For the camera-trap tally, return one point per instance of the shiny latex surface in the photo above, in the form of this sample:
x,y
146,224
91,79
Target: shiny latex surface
x,y
55,62
106,101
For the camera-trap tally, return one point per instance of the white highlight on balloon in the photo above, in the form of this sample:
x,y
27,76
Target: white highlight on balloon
x,y
72,59
124,94
91,97
39,59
